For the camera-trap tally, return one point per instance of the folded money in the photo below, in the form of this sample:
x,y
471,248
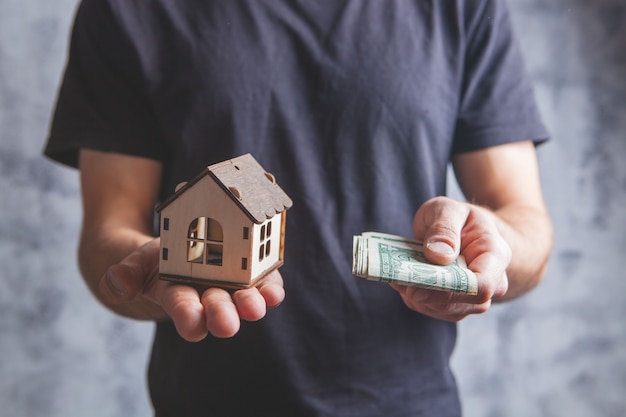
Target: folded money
x,y
398,260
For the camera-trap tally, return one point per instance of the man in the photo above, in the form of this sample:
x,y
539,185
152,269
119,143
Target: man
x,y
357,107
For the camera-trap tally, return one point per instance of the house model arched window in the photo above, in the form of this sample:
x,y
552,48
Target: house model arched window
x,y
225,227
205,241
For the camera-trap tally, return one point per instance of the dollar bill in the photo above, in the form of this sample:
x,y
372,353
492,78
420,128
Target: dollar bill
x,y
396,259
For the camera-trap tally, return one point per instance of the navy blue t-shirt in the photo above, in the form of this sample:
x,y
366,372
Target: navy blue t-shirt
x,y
356,107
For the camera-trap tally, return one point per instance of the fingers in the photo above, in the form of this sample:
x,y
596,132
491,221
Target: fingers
x,y
438,223
182,304
216,311
441,305
451,306
491,271
220,313
449,228
487,253
252,303
224,312
272,290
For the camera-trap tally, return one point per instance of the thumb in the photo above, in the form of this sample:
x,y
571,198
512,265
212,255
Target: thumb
x,y
440,252
121,283
124,281
438,223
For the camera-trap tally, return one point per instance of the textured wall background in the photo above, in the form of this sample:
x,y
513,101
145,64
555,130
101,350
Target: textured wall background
x,y
560,351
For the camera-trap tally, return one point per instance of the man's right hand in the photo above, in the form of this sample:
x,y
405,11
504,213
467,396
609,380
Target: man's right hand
x,y
195,312
119,259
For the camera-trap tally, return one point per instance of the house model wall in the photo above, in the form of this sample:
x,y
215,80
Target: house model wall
x,y
225,227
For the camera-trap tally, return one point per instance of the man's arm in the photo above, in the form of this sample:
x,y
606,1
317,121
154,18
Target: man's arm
x,y
119,193
505,180
118,256
504,232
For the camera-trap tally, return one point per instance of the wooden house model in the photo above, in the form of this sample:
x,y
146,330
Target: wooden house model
x,y
225,227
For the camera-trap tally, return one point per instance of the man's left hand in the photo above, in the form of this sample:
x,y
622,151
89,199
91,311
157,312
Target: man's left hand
x,y
449,228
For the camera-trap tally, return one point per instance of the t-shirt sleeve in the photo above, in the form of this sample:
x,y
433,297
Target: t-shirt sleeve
x,y
497,104
103,101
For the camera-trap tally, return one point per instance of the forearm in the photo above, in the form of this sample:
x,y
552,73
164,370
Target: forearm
x,y
505,180
106,246
528,231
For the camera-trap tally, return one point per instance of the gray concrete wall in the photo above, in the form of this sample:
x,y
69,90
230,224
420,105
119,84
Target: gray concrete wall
x,y
560,351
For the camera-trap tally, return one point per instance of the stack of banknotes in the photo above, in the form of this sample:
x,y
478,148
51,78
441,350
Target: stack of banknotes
x,y
396,259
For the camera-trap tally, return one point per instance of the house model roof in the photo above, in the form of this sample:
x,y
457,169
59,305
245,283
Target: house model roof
x,y
245,181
